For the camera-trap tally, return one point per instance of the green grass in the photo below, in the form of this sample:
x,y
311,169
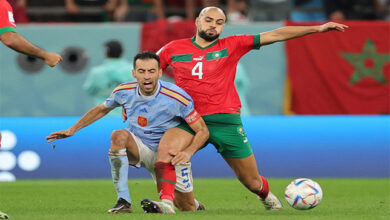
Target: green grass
x,y
223,198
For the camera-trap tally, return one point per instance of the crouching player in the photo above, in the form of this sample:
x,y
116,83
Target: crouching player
x,y
152,107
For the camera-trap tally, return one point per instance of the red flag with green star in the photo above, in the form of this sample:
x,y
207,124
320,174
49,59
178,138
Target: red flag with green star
x,y
341,73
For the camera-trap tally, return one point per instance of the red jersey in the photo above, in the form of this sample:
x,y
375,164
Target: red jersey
x,y
207,74
7,22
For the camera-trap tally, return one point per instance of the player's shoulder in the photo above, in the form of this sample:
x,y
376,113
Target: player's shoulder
x,y
175,44
180,41
175,92
235,37
125,87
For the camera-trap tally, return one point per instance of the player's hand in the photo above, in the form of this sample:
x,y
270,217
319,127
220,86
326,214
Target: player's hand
x,y
124,115
180,158
52,59
331,26
59,135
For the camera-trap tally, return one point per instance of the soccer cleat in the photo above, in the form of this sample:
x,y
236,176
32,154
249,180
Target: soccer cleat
x,y
3,215
271,202
164,207
200,207
122,206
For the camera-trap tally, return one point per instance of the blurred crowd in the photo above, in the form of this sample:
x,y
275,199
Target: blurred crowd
x,y
238,11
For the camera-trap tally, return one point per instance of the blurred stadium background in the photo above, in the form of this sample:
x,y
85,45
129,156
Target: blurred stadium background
x,y
313,111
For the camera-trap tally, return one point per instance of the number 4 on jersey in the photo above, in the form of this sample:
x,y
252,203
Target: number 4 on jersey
x,y
198,70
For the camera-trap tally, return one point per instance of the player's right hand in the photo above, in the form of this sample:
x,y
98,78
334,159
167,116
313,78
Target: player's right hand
x,y
180,158
52,59
59,135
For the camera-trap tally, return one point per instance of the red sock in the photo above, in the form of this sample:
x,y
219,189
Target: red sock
x,y
265,189
166,180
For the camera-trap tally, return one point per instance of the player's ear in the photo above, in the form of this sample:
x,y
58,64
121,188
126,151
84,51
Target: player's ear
x,y
160,73
133,72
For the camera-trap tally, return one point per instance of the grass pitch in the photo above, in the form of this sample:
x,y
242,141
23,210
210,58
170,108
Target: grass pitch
x,y
223,198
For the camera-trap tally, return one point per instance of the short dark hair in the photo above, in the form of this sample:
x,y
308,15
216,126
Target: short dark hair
x,y
146,55
113,48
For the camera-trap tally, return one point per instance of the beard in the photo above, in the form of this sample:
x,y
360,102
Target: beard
x,y
207,37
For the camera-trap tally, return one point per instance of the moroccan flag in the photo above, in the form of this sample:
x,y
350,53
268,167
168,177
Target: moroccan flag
x,y
341,73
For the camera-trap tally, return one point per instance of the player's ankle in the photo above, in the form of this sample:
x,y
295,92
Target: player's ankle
x,y
167,201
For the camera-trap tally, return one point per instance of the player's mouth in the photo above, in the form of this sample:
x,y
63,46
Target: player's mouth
x,y
148,85
211,31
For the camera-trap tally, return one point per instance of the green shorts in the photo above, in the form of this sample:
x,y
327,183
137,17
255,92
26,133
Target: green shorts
x,y
226,134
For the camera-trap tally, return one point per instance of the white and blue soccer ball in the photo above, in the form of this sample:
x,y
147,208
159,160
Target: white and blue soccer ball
x,y
303,194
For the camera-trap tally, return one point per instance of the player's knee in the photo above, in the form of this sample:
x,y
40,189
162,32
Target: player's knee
x,y
119,139
165,152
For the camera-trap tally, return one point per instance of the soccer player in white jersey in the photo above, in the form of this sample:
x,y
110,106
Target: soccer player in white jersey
x,y
152,106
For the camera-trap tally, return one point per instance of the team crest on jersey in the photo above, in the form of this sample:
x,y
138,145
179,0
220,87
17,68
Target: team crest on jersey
x,y
217,55
142,121
11,17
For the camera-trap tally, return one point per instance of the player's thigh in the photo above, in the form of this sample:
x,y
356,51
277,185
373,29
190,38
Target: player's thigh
x,y
230,140
143,155
173,140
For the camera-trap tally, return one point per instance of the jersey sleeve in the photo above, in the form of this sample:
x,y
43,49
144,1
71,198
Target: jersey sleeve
x,y
186,104
116,99
188,112
7,22
244,43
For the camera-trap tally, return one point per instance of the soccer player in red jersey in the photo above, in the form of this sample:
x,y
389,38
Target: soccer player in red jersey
x,y
205,67
13,40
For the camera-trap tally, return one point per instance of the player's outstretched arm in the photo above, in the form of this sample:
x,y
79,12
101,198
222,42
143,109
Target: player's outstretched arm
x,y
290,32
87,119
201,136
18,43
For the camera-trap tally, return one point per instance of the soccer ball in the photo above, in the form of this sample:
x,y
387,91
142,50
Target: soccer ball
x,y
303,194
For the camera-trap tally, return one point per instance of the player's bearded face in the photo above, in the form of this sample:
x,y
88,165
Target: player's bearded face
x,y
208,35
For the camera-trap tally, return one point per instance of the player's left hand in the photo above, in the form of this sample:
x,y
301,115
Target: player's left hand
x,y
331,26
59,135
180,158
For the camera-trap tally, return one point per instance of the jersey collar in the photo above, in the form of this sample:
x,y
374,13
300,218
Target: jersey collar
x,y
198,46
